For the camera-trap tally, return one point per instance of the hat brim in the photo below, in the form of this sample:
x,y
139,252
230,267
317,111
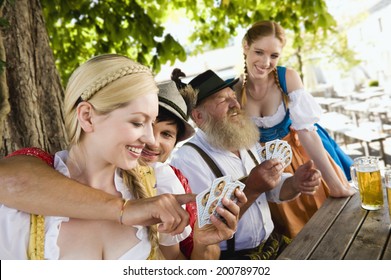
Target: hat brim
x,y
225,85
189,130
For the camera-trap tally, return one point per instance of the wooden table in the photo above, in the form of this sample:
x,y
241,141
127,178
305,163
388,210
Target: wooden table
x,y
341,229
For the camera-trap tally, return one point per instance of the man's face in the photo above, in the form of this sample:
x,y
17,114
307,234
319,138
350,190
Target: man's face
x,y
221,105
226,125
166,133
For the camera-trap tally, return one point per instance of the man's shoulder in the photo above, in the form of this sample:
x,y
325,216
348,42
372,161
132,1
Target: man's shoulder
x,y
181,154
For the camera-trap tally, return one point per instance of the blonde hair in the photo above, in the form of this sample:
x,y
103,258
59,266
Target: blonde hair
x,y
259,30
109,82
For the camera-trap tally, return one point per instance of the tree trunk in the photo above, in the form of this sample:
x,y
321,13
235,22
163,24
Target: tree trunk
x,y
300,61
34,87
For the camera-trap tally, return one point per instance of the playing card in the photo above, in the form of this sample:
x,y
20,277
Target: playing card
x,y
229,192
287,159
261,152
284,153
279,144
278,149
201,201
270,146
282,146
216,192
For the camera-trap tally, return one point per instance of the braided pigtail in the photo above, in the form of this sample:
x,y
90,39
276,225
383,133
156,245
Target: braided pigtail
x,y
243,92
284,95
132,179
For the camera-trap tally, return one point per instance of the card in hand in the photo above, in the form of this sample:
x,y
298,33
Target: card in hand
x,y
284,154
218,187
201,201
230,192
209,199
279,149
261,150
270,146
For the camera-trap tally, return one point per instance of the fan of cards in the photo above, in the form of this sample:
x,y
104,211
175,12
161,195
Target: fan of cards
x,y
209,199
276,149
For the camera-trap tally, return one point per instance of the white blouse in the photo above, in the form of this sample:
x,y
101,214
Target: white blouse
x,y
304,112
15,227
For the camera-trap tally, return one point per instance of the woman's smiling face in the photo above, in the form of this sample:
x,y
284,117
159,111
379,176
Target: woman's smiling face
x,y
262,56
120,135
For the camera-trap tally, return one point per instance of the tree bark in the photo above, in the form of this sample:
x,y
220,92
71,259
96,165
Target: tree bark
x,y
35,90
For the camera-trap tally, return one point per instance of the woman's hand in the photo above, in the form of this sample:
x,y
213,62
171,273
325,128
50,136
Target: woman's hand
x,y
165,210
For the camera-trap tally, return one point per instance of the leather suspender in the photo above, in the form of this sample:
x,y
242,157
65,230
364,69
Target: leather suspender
x,y
217,172
212,165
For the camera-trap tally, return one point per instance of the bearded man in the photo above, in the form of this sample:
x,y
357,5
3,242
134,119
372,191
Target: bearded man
x,y
225,144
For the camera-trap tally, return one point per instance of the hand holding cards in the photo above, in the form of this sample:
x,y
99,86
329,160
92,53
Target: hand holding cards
x,y
208,200
278,149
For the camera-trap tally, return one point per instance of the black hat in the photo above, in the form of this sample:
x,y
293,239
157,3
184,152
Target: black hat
x,y
208,83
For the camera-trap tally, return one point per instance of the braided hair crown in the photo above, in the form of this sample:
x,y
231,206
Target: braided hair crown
x,y
107,82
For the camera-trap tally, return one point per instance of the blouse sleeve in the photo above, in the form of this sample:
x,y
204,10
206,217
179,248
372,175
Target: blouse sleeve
x,y
14,233
304,111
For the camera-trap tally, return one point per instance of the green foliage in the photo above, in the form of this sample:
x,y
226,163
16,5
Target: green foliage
x,y
317,49
373,83
79,29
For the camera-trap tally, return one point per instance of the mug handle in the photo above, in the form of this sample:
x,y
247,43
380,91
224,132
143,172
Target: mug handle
x,y
353,174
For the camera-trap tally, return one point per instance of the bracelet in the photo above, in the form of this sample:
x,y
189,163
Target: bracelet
x,y
121,212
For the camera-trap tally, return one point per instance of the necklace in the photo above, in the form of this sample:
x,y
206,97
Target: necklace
x,y
262,96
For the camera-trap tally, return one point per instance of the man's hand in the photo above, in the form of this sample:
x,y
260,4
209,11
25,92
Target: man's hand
x,y
307,178
264,177
164,210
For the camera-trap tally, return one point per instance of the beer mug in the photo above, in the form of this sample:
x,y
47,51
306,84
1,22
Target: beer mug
x,y
366,177
387,182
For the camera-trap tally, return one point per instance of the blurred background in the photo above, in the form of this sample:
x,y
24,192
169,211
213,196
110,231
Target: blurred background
x,y
349,72
340,48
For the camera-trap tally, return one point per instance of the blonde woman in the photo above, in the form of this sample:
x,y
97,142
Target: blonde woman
x,y
108,124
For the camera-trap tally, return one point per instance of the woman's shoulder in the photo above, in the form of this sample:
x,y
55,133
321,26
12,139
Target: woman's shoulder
x,y
293,80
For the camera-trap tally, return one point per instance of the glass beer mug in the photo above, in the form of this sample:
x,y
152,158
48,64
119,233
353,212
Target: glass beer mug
x,y
366,177
387,181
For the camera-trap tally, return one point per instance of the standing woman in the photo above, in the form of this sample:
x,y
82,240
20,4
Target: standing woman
x,y
111,105
275,98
